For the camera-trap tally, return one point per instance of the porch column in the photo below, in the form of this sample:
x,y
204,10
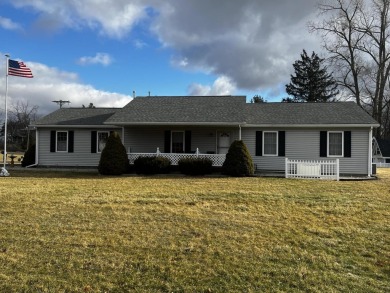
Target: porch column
x,y
239,132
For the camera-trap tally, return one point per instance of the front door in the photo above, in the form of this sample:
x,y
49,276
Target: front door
x,y
177,142
223,142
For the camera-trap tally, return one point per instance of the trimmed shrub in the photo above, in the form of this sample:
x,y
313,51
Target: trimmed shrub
x,y
238,160
113,159
29,156
152,165
195,166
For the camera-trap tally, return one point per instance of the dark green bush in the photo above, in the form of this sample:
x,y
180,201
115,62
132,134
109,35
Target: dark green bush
x,y
113,159
195,166
152,165
238,160
29,156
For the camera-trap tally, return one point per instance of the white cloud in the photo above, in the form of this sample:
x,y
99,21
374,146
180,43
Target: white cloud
x,y
111,18
100,58
8,24
139,44
221,86
51,84
252,42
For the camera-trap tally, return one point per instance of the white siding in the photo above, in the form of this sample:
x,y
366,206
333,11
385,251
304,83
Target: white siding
x,y
304,144
81,156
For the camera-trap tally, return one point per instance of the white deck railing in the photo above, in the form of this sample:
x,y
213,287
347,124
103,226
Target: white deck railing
x,y
217,159
313,169
382,165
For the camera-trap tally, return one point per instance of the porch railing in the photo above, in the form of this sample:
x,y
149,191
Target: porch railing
x,y
217,159
313,169
382,165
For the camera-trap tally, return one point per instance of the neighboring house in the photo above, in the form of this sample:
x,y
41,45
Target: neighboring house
x,y
381,151
208,125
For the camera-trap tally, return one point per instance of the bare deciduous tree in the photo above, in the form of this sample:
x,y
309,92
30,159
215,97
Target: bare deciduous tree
x,y
356,34
20,116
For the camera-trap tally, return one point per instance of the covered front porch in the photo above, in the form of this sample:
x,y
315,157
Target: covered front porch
x,y
177,142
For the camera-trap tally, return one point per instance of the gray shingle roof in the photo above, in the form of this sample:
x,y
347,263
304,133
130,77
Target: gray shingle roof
x,y
212,110
77,116
307,114
194,109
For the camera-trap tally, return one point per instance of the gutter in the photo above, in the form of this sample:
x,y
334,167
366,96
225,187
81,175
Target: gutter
x,y
370,153
311,125
178,123
74,126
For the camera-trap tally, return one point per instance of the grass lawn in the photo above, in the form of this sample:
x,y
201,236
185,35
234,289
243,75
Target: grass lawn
x,y
81,232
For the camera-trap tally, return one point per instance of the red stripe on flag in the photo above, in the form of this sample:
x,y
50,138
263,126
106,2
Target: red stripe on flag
x,y
17,68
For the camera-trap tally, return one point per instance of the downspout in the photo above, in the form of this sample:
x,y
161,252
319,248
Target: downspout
x,y
239,132
370,153
36,150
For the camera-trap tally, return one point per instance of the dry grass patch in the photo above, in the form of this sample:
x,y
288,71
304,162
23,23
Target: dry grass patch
x,y
81,232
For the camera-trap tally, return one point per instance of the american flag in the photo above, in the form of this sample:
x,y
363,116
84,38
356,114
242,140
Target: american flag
x,y
18,68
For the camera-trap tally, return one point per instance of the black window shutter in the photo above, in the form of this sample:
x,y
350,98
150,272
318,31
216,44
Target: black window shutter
x,y
93,142
52,141
111,132
187,141
70,141
259,143
167,141
347,144
323,144
282,143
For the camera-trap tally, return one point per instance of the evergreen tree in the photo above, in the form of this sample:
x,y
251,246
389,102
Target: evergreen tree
x,y
238,160
113,159
312,82
258,99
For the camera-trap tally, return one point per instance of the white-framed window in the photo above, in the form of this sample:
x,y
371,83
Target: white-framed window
x,y
270,143
101,137
335,143
177,141
62,141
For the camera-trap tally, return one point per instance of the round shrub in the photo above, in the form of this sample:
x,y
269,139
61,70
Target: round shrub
x,y
195,166
152,165
238,160
113,159
29,156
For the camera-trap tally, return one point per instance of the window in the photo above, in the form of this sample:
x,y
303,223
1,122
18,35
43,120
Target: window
x,y
335,144
270,141
62,141
102,137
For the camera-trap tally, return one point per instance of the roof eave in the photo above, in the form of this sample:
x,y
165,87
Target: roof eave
x,y
313,125
73,126
178,123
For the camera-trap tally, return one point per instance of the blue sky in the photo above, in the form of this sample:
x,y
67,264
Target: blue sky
x,y
99,51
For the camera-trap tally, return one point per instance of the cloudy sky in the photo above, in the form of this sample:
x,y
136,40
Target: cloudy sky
x,y
100,51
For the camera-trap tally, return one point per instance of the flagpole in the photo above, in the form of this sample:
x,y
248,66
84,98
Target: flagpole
x,y
6,117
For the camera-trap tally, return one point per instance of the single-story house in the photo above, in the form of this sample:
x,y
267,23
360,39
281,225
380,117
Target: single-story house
x,y
381,151
207,125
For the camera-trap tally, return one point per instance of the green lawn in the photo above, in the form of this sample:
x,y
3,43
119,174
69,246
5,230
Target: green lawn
x,y
81,232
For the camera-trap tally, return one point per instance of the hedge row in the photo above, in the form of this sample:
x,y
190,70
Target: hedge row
x,y
152,165
161,165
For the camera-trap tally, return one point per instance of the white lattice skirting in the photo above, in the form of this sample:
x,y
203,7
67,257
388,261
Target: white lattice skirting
x,y
217,159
